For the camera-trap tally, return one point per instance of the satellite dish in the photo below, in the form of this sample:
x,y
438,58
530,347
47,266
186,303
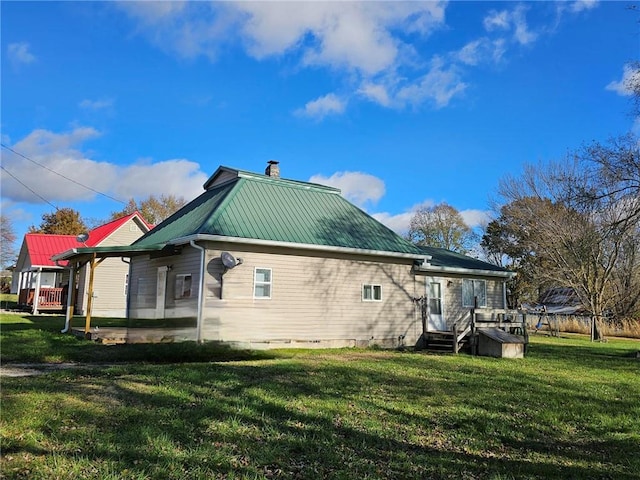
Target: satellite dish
x,y
83,237
228,260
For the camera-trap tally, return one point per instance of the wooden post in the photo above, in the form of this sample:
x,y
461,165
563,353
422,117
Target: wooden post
x,y
455,338
36,293
71,298
87,323
474,338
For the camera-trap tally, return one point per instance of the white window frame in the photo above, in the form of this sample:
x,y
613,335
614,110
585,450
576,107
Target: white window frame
x,y
261,283
181,281
372,287
475,283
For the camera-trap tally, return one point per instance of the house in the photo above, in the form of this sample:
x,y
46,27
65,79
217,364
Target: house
x,y
42,284
258,261
455,283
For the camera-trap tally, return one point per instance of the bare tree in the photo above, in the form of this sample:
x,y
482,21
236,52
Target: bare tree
x,y
579,221
153,209
441,226
8,238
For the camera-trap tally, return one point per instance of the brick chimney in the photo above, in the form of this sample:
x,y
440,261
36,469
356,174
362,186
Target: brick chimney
x,y
273,170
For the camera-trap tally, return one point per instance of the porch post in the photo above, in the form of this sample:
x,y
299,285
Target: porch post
x,y
92,268
36,294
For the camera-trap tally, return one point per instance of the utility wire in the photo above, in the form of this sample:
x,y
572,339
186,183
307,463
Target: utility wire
x,y
25,186
59,174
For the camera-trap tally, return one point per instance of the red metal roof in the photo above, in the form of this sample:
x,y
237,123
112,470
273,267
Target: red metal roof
x,y
42,246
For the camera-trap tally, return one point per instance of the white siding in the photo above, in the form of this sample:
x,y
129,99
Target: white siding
x,y
453,308
143,304
314,300
109,298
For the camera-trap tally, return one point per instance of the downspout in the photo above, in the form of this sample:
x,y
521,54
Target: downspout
x,y
128,301
200,291
504,294
70,297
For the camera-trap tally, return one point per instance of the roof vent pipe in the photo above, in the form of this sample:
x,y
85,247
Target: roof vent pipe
x,y
273,170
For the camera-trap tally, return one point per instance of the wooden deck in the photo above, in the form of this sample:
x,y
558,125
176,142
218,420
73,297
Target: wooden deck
x,y
466,331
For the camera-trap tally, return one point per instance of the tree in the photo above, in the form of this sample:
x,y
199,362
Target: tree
x,y
64,221
8,238
153,209
632,84
576,223
507,242
441,226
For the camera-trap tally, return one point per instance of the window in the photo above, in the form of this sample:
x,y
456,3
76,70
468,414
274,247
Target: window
x,y
435,298
371,293
183,285
262,283
472,289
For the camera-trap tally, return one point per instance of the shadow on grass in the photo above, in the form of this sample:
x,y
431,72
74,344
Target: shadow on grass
x,y
387,416
37,339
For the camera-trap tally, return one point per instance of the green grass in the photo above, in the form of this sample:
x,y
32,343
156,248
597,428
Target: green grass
x,y
570,409
8,300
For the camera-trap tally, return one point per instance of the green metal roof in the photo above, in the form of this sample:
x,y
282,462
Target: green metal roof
x,y
253,206
441,257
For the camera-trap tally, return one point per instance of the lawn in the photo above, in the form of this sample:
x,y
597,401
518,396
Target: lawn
x,y
570,409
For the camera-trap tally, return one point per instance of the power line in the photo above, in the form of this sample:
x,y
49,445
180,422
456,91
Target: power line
x,y
59,174
25,186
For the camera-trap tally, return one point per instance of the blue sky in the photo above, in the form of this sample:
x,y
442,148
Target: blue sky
x,y
401,105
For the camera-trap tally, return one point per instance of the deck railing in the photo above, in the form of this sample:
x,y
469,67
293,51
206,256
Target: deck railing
x,y
49,298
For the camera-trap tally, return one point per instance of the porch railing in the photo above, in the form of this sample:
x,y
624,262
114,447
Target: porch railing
x,y
49,298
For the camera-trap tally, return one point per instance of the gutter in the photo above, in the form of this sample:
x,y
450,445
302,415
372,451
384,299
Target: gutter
x,y
465,271
200,291
302,246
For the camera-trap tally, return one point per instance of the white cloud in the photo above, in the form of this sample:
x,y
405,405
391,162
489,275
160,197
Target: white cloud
x,y
357,187
185,29
398,223
476,218
360,38
366,42
629,75
522,33
511,20
581,5
19,53
61,153
352,35
481,51
440,85
497,21
96,104
319,108
179,177
375,92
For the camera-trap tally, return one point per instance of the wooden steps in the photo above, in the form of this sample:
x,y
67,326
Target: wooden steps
x,y
443,342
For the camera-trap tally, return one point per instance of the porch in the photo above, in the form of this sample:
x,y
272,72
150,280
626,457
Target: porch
x,y
49,299
507,326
